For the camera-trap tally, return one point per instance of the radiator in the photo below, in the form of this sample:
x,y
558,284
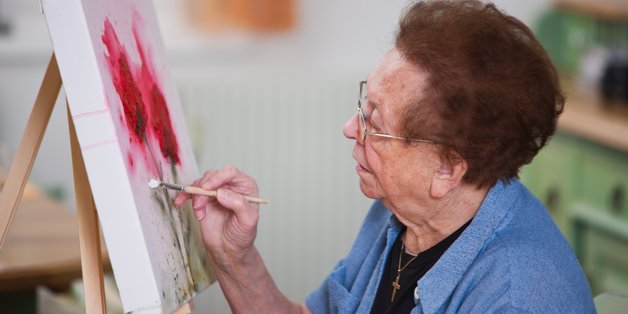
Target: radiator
x,y
285,131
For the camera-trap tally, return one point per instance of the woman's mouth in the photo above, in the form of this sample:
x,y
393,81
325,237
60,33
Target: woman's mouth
x,y
360,168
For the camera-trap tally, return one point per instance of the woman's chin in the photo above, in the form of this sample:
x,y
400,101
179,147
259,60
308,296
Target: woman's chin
x,y
367,190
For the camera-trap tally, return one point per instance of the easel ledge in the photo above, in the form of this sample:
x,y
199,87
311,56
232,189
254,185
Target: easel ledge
x,y
89,230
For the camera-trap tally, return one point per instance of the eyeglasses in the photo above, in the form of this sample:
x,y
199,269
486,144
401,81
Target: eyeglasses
x,y
364,129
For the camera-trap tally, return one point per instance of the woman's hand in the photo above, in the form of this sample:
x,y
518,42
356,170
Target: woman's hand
x,y
229,227
228,222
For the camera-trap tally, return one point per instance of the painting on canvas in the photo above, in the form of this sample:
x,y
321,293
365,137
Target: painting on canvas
x,y
131,129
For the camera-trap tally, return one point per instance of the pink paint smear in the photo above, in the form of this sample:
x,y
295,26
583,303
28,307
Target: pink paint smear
x,y
146,113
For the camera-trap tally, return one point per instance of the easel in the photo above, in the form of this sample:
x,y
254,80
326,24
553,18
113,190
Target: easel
x,y
89,230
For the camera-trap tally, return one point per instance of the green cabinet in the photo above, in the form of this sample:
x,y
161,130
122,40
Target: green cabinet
x,y
601,242
583,185
551,177
605,178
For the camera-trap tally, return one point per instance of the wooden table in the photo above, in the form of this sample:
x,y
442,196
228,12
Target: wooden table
x,y
41,248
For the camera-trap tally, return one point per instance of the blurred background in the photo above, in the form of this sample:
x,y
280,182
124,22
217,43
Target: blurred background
x,y
267,85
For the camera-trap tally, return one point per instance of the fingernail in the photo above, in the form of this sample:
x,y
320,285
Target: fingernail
x,y
200,214
196,204
224,195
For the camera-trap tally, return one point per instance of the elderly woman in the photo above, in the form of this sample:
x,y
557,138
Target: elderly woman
x,y
443,125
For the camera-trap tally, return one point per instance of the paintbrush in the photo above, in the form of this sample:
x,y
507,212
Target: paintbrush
x,y
153,184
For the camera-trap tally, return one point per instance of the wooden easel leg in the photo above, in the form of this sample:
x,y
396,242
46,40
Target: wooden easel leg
x,y
185,309
29,145
89,231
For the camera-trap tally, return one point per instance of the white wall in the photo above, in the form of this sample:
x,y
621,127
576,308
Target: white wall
x,y
335,43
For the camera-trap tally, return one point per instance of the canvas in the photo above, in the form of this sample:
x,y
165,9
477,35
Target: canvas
x,y
131,129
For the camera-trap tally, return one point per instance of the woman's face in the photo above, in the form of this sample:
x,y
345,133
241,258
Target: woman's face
x,y
389,169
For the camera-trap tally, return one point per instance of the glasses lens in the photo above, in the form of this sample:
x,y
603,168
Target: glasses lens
x,y
362,124
362,102
363,94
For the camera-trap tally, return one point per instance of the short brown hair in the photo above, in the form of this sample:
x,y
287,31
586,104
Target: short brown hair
x,y
492,95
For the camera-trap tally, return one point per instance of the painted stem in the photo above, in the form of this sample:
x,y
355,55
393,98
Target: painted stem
x,y
176,224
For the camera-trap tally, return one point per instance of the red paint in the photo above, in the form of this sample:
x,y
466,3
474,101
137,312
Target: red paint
x,y
162,127
130,161
145,108
160,122
130,95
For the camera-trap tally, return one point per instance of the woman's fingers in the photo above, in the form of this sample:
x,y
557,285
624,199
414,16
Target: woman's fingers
x,y
246,212
228,221
231,184
232,200
200,213
230,175
181,197
208,174
199,201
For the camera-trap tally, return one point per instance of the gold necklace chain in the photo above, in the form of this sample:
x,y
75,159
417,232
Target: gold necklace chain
x,y
396,286
399,268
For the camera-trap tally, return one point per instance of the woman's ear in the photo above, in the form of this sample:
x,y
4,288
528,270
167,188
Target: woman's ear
x,y
448,175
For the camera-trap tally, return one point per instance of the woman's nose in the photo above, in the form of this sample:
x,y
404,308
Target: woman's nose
x,y
350,130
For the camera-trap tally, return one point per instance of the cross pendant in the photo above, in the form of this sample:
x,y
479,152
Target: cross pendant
x,y
396,286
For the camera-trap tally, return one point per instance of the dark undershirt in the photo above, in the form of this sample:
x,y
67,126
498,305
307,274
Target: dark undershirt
x,y
404,297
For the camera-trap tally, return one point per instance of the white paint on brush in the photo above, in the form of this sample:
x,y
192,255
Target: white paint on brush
x,y
154,183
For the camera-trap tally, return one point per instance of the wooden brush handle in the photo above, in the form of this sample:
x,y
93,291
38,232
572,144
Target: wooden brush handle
x,y
200,191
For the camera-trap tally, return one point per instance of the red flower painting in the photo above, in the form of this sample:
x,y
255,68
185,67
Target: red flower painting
x,y
130,95
147,119
142,100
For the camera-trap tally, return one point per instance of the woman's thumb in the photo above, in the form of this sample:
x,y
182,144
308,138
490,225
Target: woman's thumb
x,y
232,200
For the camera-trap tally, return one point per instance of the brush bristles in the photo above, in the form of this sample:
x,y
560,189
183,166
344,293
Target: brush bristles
x,y
153,184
